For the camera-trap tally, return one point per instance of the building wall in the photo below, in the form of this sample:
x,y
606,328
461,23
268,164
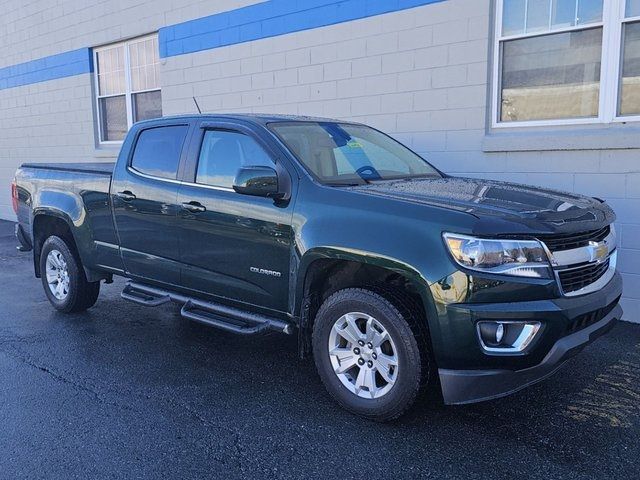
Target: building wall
x,y
54,120
421,74
47,121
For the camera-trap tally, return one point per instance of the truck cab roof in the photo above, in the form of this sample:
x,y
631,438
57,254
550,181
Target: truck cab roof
x,y
259,118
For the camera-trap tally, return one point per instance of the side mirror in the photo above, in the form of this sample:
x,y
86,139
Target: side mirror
x,y
257,181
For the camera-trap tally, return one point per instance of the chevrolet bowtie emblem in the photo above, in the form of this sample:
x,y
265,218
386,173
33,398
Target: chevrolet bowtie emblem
x,y
599,251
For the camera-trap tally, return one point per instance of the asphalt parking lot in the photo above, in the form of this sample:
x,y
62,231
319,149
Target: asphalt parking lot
x,y
124,391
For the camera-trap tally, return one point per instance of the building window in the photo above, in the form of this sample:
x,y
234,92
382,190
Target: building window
x,y
566,62
630,77
127,86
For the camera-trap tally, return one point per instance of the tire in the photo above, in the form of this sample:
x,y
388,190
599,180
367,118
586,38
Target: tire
x,y
371,395
70,291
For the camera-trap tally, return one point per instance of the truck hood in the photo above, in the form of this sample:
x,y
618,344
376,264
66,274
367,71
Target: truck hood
x,y
500,207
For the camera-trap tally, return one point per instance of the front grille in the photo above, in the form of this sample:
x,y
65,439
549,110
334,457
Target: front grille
x,y
567,241
587,319
577,278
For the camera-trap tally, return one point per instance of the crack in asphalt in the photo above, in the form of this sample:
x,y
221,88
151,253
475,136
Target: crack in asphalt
x,y
236,435
78,386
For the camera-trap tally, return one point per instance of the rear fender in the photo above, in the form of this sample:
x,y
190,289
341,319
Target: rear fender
x,y
67,207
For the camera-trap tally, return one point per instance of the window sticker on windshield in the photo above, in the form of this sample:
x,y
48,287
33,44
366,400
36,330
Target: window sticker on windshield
x,y
354,144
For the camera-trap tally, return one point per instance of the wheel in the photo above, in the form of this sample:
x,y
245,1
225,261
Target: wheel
x,y
63,278
367,354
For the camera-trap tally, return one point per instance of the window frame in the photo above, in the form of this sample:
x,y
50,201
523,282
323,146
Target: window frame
x,y
128,93
610,68
618,65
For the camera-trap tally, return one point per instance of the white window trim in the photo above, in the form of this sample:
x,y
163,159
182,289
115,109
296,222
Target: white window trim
x,y
616,61
128,94
610,69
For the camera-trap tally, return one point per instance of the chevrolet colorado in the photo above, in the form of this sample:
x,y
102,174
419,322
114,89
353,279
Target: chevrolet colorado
x,y
395,276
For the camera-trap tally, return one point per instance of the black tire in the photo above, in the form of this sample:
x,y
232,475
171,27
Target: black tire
x,y
82,294
413,366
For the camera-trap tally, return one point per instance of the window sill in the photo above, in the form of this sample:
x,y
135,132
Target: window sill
x,y
562,138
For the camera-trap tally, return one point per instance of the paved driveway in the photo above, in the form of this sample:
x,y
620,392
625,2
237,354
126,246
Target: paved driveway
x,y
124,391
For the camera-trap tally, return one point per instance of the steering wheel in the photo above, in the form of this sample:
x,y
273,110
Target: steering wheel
x,y
367,171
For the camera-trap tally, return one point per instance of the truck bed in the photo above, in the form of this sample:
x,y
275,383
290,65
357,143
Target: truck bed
x,y
79,194
100,168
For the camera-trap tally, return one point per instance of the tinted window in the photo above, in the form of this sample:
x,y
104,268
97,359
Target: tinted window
x,y
158,150
223,153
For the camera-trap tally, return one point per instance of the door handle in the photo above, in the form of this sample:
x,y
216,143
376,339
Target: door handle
x,y
194,207
126,196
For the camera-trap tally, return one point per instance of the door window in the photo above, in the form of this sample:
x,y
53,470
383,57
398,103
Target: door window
x,y
157,151
223,153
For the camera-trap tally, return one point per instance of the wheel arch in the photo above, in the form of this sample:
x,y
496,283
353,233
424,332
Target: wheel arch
x,y
323,271
50,221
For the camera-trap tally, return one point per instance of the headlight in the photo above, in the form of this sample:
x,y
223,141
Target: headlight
x,y
521,258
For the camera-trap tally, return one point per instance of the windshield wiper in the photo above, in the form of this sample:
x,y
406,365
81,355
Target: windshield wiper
x,y
345,184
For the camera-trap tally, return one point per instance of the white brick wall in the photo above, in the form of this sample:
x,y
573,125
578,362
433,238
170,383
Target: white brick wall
x,y
63,25
420,74
48,121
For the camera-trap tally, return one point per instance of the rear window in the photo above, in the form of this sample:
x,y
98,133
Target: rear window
x,y
157,151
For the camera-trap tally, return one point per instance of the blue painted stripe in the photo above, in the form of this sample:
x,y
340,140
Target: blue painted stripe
x,y
269,19
61,65
262,20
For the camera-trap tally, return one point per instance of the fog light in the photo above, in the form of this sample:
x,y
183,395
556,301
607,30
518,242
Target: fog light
x,y
506,336
499,332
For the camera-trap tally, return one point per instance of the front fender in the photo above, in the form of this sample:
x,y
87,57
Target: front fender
x,y
354,255
415,277
402,237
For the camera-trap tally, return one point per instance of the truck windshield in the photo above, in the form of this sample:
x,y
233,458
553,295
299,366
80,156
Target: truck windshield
x,y
347,154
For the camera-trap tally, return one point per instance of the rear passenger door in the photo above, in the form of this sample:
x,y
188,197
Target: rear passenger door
x,y
144,193
233,246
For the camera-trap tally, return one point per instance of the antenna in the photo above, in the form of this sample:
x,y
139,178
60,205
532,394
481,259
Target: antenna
x,y
197,106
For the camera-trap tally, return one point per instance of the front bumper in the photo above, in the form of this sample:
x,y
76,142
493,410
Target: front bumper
x,y
460,386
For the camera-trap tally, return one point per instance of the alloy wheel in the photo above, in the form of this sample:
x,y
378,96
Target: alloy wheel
x,y
363,355
57,275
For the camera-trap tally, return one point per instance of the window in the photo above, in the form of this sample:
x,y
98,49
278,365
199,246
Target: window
x,y
157,151
127,86
340,153
566,61
630,81
223,153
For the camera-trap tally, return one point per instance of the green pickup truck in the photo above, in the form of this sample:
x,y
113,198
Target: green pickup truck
x,y
397,277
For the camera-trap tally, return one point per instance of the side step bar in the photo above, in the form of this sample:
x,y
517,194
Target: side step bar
x,y
213,314
137,295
